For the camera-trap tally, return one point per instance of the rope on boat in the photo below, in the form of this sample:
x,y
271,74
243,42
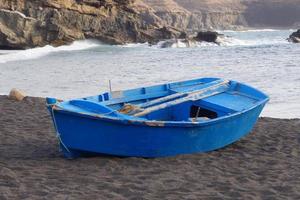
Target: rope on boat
x,y
129,109
56,129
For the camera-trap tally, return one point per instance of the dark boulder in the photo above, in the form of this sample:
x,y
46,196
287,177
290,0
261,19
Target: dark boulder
x,y
207,36
295,37
182,39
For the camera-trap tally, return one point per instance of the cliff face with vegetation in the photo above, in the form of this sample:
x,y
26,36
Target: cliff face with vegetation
x,y
31,23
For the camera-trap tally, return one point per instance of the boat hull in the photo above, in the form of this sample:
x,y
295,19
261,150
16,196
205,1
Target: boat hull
x,y
87,134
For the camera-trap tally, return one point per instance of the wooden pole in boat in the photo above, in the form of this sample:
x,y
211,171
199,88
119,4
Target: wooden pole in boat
x,y
178,95
109,83
191,96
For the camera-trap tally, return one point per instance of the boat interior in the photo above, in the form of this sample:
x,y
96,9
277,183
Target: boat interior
x,y
192,101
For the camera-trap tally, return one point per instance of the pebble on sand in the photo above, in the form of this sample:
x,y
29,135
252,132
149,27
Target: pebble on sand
x,y
16,94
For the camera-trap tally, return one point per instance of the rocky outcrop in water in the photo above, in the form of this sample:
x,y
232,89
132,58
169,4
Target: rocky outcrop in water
x,y
192,41
207,36
295,37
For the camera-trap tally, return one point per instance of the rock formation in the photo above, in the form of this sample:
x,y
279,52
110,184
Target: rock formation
x,y
192,41
31,23
207,36
295,37
197,15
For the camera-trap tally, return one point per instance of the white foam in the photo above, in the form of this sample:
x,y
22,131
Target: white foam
x,y
43,51
134,45
175,44
250,30
228,41
231,38
179,44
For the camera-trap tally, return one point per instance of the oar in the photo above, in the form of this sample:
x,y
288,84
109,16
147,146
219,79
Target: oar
x,y
188,96
181,93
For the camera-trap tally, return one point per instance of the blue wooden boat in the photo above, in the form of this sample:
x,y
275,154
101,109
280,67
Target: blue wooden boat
x,y
164,120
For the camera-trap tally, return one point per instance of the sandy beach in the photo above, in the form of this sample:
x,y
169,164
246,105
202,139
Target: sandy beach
x,y
263,165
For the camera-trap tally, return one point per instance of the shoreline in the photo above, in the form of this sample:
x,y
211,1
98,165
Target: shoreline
x,y
264,164
4,51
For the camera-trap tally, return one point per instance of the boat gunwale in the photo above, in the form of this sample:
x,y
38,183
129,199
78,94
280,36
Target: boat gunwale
x,y
157,123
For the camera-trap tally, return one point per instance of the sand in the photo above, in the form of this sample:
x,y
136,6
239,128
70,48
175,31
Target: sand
x,y
263,165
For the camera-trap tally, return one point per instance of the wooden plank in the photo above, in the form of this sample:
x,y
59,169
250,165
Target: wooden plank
x,y
195,88
190,96
127,99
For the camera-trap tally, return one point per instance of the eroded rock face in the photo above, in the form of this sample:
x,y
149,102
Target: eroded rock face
x,y
30,23
18,31
198,15
295,37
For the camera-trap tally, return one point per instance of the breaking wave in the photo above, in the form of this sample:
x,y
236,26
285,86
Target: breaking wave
x,y
249,38
250,30
222,41
134,45
8,56
254,37
230,41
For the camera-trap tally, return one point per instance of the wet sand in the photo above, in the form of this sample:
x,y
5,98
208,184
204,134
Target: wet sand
x,y
263,165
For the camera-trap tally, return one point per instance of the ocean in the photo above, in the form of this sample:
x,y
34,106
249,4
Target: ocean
x,y
262,58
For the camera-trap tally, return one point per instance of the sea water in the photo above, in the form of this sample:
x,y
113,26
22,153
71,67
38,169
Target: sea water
x,y
262,58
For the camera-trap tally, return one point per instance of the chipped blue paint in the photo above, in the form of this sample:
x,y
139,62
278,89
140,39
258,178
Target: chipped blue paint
x,y
178,118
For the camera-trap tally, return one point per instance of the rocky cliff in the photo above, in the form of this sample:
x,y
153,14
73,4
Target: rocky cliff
x,y
197,15
31,23
272,13
227,14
